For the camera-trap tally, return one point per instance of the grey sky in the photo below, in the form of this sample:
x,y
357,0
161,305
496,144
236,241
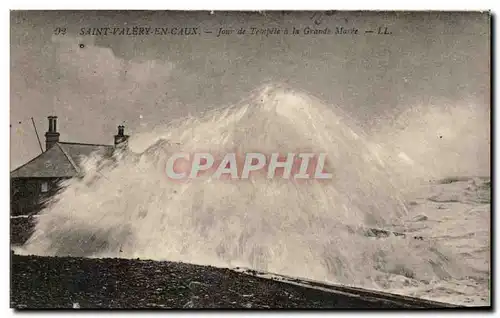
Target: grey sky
x,y
430,58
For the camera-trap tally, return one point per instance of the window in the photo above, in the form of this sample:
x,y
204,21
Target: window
x,y
45,186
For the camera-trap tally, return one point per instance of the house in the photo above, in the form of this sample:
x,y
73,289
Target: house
x,y
38,179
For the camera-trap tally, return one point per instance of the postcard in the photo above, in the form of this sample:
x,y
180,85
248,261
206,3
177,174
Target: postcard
x,y
256,160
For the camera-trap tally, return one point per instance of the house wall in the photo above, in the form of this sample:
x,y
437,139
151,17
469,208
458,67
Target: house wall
x,y
26,194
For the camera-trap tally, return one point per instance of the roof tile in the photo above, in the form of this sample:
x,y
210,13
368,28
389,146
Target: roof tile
x,y
61,160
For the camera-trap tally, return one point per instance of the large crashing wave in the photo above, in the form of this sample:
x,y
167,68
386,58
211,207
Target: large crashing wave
x,y
126,206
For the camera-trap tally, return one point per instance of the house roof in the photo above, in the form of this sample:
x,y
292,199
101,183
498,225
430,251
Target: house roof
x,y
61,160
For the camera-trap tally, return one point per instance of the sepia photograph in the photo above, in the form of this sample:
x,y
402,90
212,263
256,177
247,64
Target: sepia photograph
x,y
250,159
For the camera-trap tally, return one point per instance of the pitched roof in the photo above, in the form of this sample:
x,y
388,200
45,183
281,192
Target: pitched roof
x,y
61,160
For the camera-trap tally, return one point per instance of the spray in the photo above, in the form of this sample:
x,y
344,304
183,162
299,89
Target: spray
x,y
127,207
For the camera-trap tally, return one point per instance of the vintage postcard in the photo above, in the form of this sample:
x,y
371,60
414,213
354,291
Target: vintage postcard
x,y
209,159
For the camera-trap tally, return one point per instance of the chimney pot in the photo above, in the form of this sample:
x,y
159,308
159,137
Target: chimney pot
x,y
121,138
51,136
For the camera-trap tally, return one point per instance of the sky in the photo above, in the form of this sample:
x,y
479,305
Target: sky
x,y
95,83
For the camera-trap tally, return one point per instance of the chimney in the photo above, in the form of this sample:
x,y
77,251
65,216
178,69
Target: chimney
x,y
121,138
51,136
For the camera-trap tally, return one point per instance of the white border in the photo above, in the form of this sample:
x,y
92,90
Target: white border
x,y
259,5
182,5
